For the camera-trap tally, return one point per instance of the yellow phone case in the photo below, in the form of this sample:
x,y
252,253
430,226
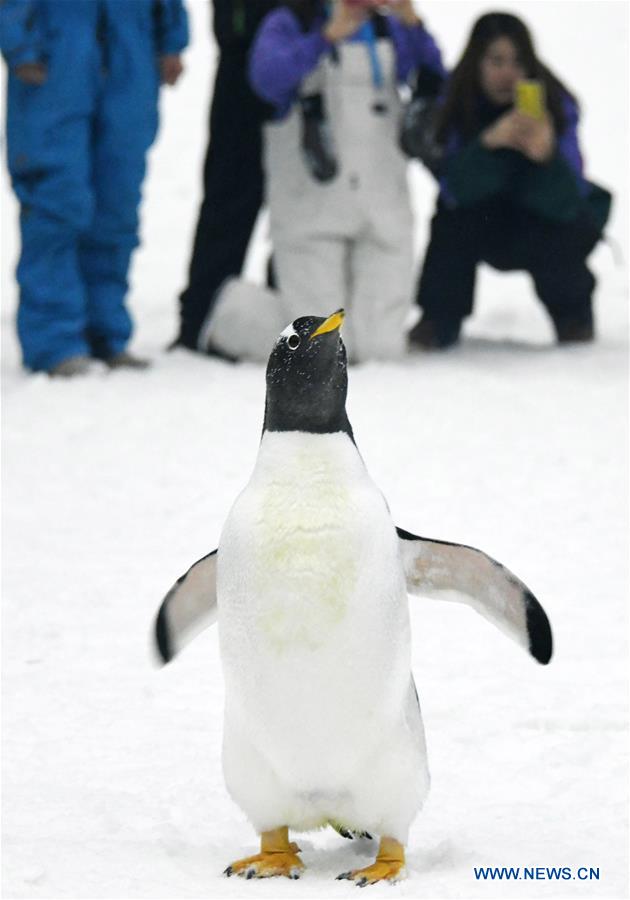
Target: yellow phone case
x,y
530,98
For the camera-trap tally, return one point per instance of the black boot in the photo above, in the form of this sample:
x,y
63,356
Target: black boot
x,y
574,331
433,334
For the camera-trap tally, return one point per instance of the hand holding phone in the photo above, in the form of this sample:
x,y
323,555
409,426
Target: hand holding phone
x,y
404,10
535,137
347,17
517,130
504,132
530,98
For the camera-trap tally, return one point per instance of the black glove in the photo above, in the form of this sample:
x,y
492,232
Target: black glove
x,y
418,123
318,147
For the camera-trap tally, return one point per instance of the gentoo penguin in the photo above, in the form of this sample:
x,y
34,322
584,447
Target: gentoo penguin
x,y
310,583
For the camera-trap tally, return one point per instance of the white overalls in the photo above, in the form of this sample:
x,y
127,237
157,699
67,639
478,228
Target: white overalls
x,y
346,243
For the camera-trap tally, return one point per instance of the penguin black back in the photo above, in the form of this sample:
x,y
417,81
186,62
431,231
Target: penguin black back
x,y
307,378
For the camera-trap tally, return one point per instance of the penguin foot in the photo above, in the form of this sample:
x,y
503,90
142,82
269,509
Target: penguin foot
x,y
388,866
383,870
267,865
277,857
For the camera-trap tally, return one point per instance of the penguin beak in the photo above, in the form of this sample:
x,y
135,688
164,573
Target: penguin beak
x,y
332,323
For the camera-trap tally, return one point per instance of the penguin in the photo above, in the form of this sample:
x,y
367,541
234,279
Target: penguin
x,y
310,585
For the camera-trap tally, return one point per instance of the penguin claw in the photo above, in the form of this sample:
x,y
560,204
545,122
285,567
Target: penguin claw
x,y
390,870
267,865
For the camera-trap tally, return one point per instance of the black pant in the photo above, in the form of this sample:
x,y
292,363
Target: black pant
x,y
233,191
508,238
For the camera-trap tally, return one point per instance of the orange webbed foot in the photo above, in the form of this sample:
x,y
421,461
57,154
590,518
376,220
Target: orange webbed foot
x,y
277,857
388,866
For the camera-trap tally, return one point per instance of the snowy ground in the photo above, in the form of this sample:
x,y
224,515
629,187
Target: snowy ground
x,y
115,483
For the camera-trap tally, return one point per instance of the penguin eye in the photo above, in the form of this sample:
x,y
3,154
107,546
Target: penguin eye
x,y
293,341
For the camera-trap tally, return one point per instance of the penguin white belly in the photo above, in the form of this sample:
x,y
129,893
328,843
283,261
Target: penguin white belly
x,y
315,641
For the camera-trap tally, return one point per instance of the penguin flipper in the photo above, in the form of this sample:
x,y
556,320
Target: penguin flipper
x,y
189,607
447,571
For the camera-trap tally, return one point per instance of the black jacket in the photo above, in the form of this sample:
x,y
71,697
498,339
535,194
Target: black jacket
x,y
235,22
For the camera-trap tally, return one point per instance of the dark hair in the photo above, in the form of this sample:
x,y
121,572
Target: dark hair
x,y
460,111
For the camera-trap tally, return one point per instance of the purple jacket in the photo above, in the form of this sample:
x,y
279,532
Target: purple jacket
x,y
567,144
283,55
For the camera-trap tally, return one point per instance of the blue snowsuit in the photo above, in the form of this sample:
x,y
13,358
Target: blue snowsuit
x,y
76,154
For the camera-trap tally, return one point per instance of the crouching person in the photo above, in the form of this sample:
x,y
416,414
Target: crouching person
x,y
513,193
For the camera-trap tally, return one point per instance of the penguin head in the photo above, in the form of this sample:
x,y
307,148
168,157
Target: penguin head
x,y
307,378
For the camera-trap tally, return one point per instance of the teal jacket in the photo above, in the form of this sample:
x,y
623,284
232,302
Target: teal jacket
x,y
472,174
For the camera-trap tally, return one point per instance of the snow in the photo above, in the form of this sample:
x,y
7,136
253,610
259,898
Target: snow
x,y
115,483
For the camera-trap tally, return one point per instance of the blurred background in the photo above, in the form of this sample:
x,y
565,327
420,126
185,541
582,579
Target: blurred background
x,y
585,42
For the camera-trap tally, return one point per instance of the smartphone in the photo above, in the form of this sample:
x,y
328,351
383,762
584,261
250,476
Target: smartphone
x,y
530,98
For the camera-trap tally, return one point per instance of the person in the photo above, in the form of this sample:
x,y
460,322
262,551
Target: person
x,y
81,114
341,238
512,189
233,180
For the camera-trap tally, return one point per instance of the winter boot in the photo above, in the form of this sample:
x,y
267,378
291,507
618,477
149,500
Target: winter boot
x,y
73,365
433,334
126,360
574,331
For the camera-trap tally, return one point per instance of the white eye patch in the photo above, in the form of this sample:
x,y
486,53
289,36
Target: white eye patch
x,y
288,331
291,337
